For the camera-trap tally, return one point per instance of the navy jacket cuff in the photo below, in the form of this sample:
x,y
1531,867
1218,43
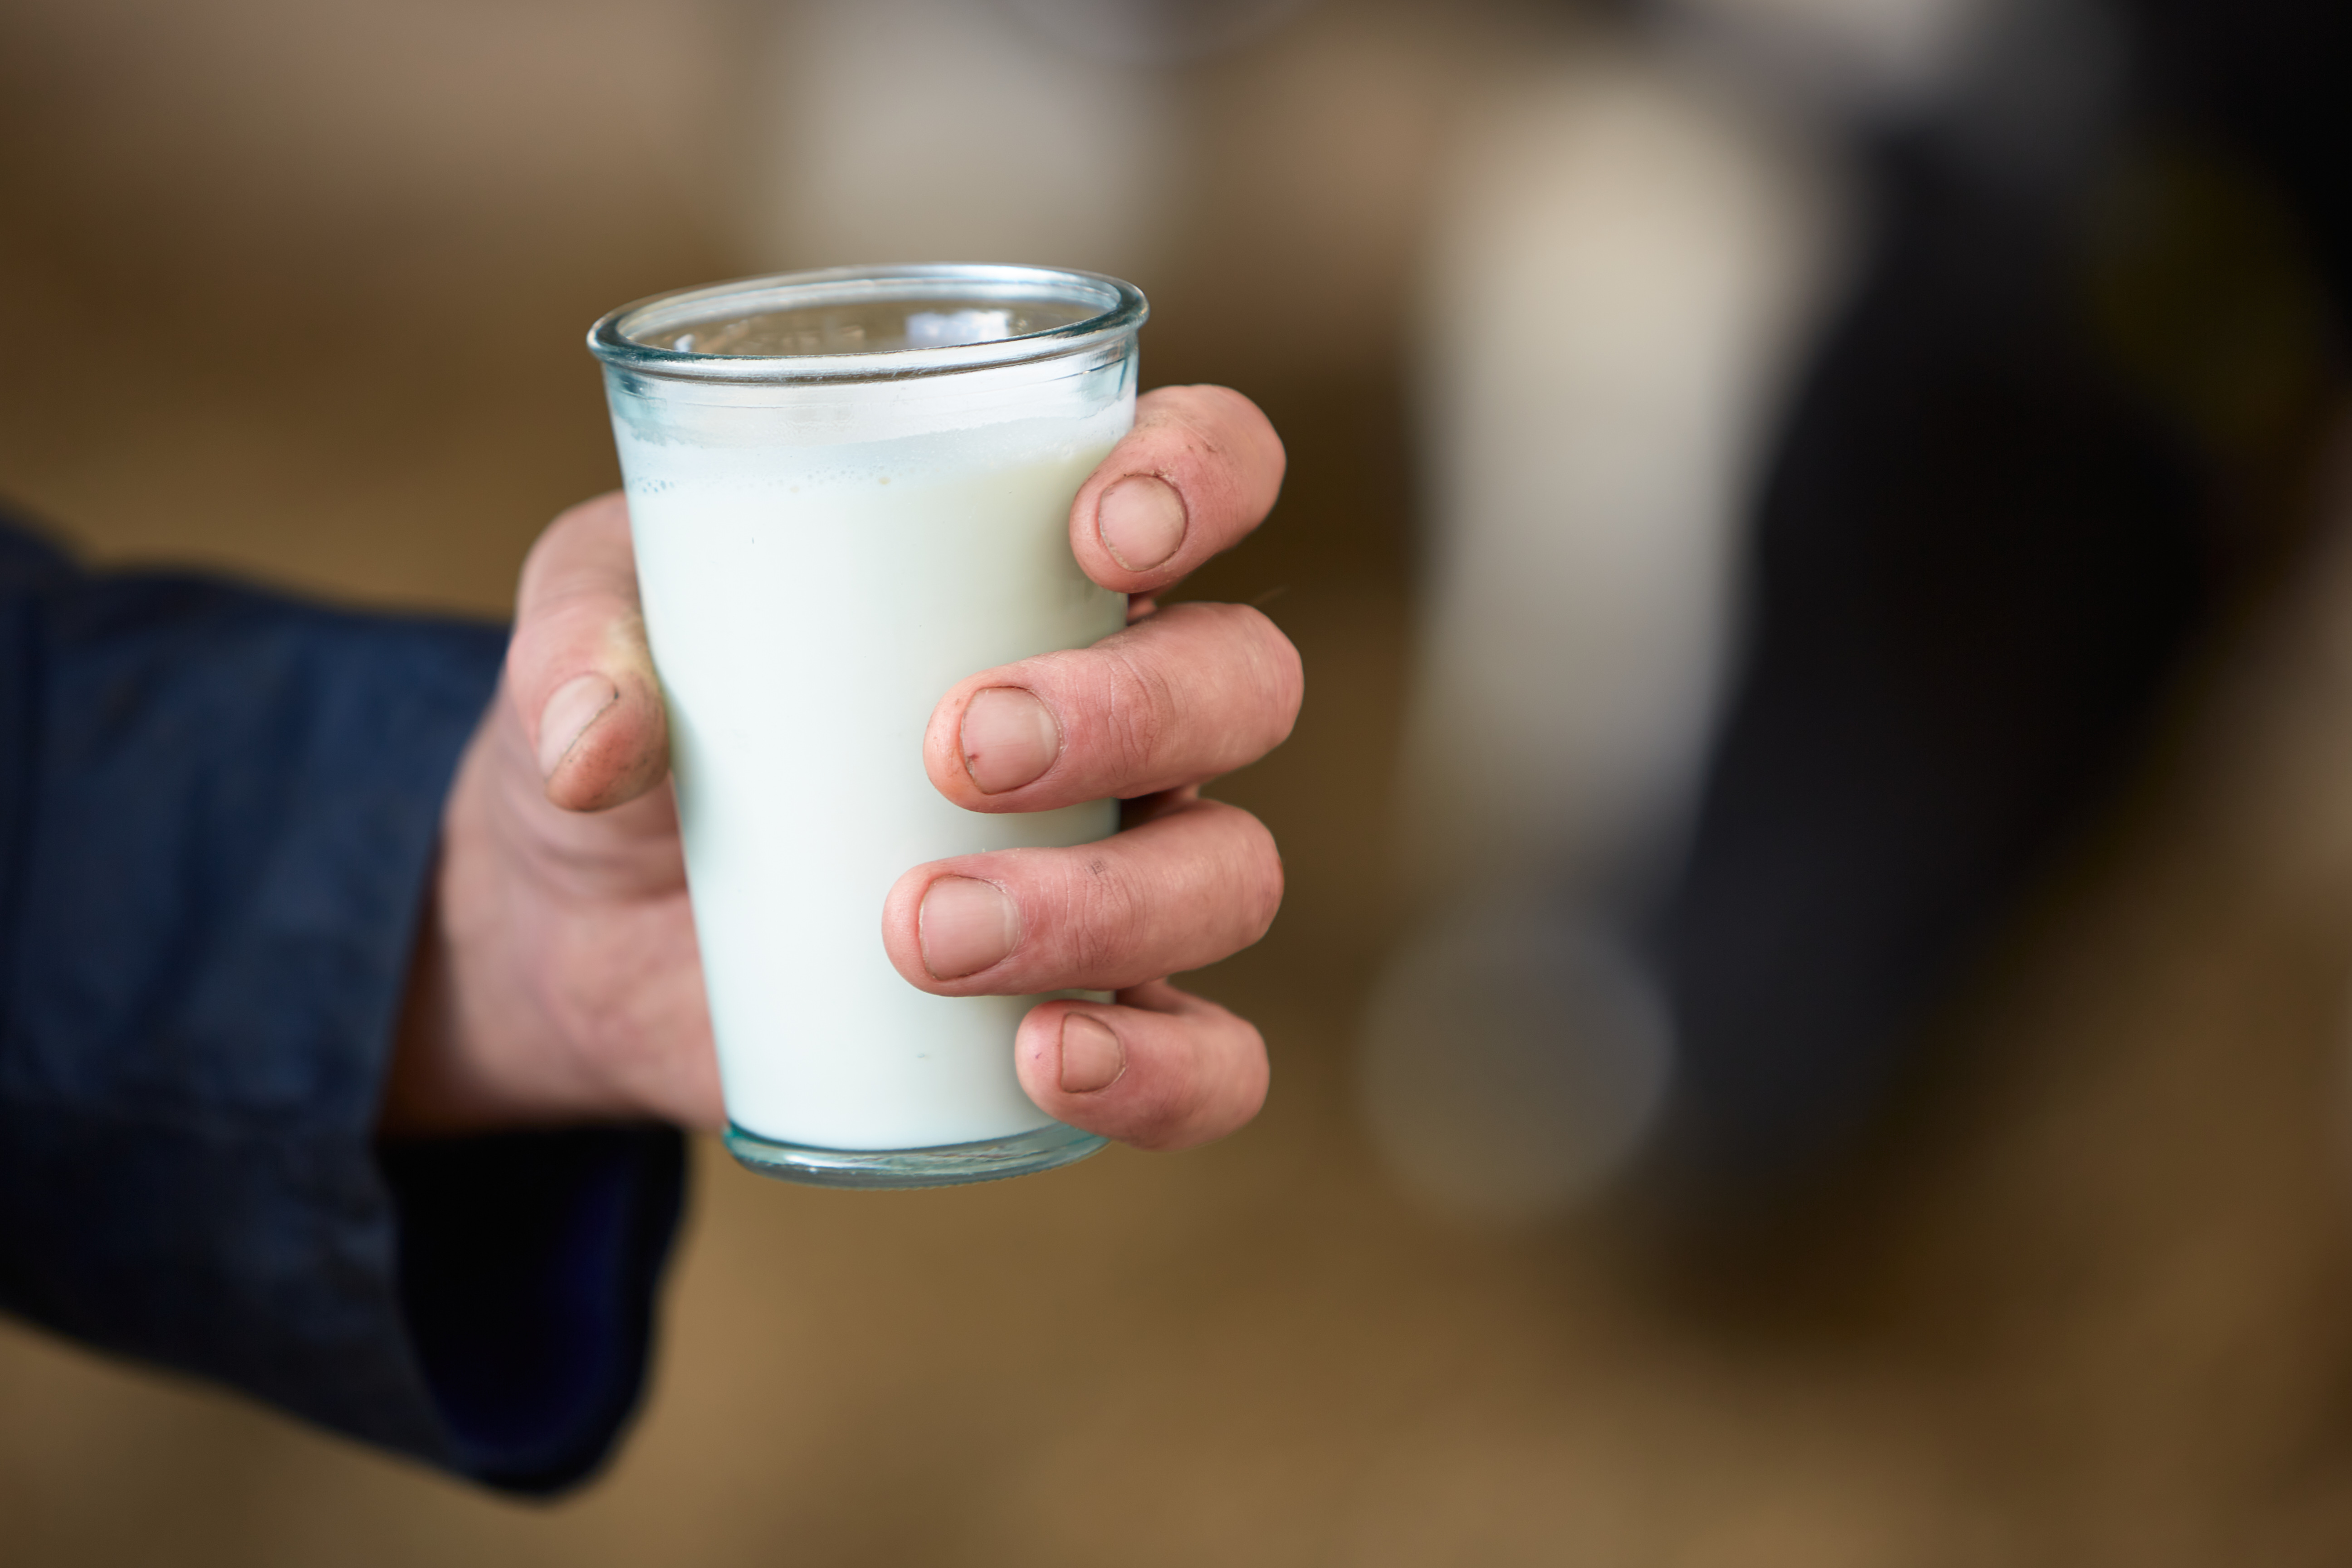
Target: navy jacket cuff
x,y
218,812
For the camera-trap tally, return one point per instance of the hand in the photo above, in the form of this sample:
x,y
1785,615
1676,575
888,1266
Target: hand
x,y
557,978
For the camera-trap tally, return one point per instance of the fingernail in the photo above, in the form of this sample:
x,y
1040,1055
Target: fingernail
x,y
1092,1057
1141,521
1009,739
577,704
964,926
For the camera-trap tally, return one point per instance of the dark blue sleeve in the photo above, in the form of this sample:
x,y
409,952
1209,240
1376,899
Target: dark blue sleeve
x,y
218,811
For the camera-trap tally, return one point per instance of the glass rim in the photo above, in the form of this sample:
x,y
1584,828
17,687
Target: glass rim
x,y
1123,310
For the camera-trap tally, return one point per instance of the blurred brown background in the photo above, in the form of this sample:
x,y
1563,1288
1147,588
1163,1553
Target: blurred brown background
x,y
297,291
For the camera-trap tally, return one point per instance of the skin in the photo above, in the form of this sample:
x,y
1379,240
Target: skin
x,y
557,978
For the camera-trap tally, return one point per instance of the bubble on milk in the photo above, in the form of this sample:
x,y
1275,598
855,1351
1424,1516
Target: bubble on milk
x,y
949,329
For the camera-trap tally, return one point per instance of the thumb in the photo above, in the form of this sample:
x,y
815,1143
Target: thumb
x,y
578,668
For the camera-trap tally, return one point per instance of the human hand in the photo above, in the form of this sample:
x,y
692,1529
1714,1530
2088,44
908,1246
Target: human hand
x,y
558,978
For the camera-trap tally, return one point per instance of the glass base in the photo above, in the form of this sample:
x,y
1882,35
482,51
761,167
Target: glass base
x,y
948,1165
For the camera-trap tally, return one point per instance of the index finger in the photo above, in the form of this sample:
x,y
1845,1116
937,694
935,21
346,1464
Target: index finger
x,y
1198,472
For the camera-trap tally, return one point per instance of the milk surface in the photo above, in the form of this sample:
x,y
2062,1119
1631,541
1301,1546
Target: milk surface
x,y
808,603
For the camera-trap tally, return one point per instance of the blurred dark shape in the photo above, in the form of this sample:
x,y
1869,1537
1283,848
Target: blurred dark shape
x,y
2272,80
2050,436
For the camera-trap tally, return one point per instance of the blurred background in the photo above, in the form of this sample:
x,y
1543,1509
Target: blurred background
x,y
1645,372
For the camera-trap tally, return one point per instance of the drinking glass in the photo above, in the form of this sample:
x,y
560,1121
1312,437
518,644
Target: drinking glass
x,y
848,490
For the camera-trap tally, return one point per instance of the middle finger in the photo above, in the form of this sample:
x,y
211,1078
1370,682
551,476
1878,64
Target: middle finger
x,y
1180,696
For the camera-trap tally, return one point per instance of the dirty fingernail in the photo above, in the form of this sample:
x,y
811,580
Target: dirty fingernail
x,y
1092,1057
577,704
1009,739
1141,521
964,925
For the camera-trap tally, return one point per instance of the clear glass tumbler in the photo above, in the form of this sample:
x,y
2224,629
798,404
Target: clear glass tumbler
x,y
848,490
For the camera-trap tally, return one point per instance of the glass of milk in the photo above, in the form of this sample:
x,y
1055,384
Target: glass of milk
x,y
848,490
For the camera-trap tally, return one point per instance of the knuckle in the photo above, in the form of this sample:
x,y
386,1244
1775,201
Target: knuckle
x,y
1105,911
1270,888
1259,878
534,647
555,630
1139,712
1164,1113
560,539
1275,670
1250,1073
1209,1081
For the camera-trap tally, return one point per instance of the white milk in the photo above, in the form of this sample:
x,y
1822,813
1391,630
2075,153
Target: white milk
x,y
811,593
